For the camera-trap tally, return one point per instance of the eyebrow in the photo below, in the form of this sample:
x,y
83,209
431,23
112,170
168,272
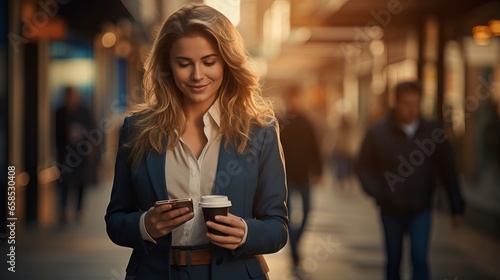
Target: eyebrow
x,y
203,57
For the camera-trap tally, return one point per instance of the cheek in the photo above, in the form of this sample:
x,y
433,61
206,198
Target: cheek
x,y
176,78
217,73
180,75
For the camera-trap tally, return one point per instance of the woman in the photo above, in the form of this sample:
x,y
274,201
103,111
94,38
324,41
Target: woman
x,y
203,129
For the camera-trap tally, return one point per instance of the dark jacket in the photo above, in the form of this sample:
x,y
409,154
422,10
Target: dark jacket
x,y
79,154
301,150
402,173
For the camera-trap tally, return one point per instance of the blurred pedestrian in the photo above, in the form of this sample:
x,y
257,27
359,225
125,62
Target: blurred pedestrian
x,y
73,124
343,152
489,127
203,129
303,161
398,164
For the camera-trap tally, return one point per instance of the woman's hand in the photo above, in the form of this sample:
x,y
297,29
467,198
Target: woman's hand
x,y
161,220
231,225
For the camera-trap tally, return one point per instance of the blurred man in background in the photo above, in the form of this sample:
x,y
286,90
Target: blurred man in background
x,y
399,162
302,160
75,152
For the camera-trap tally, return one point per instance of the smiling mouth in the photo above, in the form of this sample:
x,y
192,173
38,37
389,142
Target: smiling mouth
x,y
198,87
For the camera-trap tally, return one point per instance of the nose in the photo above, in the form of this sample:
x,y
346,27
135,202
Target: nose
x,y
197,73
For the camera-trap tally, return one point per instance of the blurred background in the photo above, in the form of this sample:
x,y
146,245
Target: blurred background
x,y
346,55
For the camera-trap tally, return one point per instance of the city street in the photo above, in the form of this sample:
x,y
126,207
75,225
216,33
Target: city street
x,y
343,241
405,92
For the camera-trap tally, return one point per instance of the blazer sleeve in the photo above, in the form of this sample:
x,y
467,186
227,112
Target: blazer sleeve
x,y
123,214
268,230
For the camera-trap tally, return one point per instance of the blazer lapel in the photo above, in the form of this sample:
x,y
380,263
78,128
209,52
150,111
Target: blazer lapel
x,y
222,176
156,169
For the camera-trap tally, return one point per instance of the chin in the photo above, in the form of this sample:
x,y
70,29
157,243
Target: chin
x,y
199,98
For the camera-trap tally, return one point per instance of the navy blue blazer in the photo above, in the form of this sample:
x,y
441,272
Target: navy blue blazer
x,y
254,182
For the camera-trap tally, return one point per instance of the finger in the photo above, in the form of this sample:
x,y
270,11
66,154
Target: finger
x,y
182,218
173,219
175,222
232,231
231,220
226,246
162,208
229,242
221,239
173,213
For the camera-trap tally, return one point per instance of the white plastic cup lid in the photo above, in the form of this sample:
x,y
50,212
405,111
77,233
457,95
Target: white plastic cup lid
x,y
214,201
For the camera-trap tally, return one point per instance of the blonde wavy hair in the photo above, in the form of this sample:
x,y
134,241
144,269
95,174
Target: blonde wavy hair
x,y
160,116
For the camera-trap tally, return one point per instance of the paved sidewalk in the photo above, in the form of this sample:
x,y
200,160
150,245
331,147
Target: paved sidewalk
x,y
343,241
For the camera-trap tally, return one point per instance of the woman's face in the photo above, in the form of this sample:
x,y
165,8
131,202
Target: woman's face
x,y
198,69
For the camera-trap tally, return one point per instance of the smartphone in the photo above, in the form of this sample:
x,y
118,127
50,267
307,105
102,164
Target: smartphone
x,y
177,203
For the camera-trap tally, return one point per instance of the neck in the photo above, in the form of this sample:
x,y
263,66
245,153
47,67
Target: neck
x,y
194,111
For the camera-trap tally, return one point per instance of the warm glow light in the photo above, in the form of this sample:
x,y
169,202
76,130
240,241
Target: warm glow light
x,y
481,34
377,47
75,72
495,27
23,179
123,48
276,27
108,39
48,175
230,8
259,65
299,35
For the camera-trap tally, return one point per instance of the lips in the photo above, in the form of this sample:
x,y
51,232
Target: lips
x,y
198,87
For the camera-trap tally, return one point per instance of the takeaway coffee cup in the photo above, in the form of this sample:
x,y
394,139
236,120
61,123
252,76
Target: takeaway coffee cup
x,y
213,205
